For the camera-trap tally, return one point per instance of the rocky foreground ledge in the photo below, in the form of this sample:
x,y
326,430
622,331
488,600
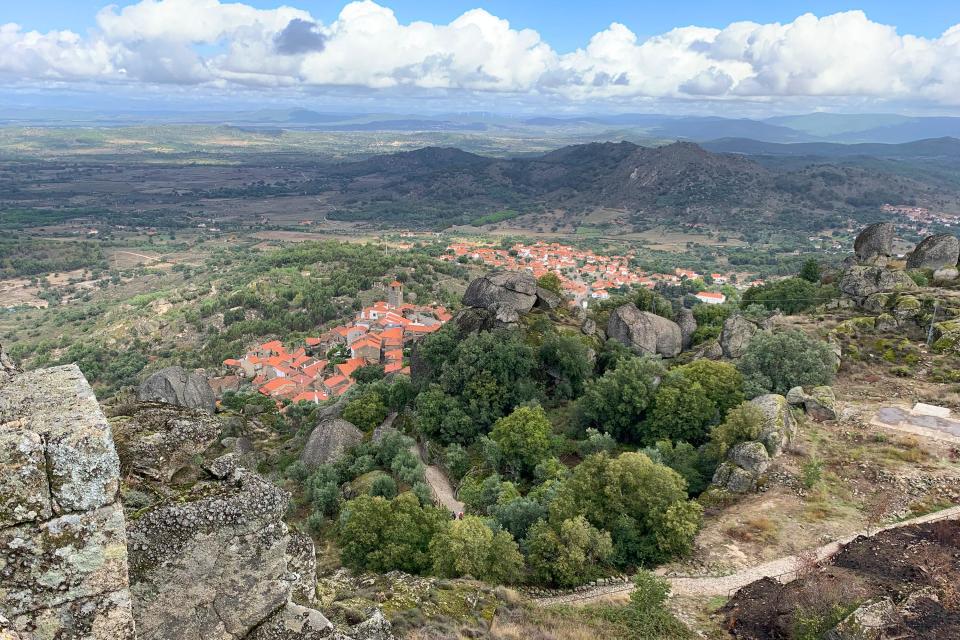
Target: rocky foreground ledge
x,y
212,559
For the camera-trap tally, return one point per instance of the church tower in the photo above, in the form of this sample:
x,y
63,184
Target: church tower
x,y
395,297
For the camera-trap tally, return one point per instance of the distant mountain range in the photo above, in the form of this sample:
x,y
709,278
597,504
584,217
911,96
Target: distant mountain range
x,y
679,182
808,128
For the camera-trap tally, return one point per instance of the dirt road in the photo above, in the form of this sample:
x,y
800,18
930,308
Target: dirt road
x,y
783,569
439,484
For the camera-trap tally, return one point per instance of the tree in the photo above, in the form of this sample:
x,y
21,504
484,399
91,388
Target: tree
x,y
367,412
642,504
440,417
777,362
618,401
551,282
384,486
518,515
681,411
468,547
571,553
686,460
368,373
790,295
490,374
524,439
721,382
743,423
383,535
810,271
563,359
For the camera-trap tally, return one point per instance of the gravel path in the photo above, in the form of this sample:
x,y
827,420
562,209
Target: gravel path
x,y
442,490
783,569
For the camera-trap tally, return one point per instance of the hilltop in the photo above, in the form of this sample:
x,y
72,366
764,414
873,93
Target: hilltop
x,y
676,183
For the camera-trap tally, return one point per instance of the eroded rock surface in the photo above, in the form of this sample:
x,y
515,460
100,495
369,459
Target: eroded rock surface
x,y
158,439
176,385
63,554
736,335
506,291
874,244
645,332
860,282
329,440
940,251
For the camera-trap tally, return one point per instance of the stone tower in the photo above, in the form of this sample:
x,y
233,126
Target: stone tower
x,y
395,297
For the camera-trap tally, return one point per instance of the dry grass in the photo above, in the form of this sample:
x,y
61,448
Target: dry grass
x,y
757,529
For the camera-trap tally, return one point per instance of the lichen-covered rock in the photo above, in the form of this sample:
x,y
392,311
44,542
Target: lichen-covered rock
x,y
24,493
508,290
63,569
736,335
645,332
734,479
223,466
101,617
58,405
907,308
157,439
779,425
377,627
687,324
708,350
212,566
293,622
752,457
821,404
885,322
588,327
874,620
935,252
860,282
796,397
946,336
874,244
329,440
302,561
175,385
467,320
547,299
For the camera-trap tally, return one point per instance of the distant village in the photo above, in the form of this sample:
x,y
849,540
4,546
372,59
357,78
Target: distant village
x,y
585,275
324,366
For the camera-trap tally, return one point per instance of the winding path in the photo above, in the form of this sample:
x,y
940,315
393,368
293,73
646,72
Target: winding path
x,y
784,569
442,489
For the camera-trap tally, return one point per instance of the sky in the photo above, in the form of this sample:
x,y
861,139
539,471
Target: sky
x,y
733,57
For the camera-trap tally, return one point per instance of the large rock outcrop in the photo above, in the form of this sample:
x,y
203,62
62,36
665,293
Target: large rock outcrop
x,y
215,564
509,291
645,332
329,440
779,425
157,440
176,385
941,251
859,282
874,244
687,324
736,335
746,462
63,553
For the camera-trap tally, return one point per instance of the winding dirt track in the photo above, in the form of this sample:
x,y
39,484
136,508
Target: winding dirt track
x,y
442,489
784,569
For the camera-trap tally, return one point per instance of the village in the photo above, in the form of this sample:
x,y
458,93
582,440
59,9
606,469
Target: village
x,y
381,334
325,366
585,275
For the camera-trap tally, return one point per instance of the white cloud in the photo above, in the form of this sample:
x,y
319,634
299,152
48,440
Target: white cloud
x,y
208,42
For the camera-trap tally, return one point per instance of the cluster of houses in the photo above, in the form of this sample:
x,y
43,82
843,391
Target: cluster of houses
x,y
584,275
323,367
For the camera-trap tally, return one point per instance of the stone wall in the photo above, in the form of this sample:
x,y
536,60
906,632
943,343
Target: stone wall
x,y
63,553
